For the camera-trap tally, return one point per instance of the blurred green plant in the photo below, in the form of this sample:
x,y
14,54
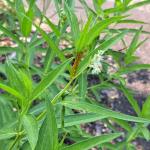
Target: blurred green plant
x,y
43,103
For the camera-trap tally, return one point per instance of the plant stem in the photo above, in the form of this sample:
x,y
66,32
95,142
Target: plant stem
x,y
76,64
14,143
74,68
63,138
54,100
18,135
41,115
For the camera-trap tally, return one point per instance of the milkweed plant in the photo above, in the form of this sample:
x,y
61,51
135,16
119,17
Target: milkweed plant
x,y
46,95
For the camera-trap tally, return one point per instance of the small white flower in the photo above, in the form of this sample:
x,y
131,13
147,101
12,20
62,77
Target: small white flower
x,y
96,63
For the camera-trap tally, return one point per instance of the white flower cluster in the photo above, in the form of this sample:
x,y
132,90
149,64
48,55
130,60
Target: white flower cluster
x,y
96,63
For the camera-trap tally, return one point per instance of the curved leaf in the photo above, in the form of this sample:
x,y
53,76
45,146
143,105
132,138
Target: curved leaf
x,y
31,128
90,143
103,111
48,135
49,79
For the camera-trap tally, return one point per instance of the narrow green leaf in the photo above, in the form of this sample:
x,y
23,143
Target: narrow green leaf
x,y
7,134
82,85
11,35
48,60
19,80
11,91
51,43
102,111
49,40
123,124
78,119
132,48
130,30
132,21
48,135
138,4
49,79
58,7
131,100
36,41
111,41
5,49
73,21
132,68
90,143
127,2
125,9
31,3
81,42
142,42
98,6
118,3
7,115
31,127
87,8
103,85
19,7
103,47
146,133
133,134
26,25
99,27
53,27
116,146
146,108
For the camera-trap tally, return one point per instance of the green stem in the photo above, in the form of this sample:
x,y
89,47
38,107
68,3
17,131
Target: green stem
x,y
54,100
41,115
132,135
25,107
62,141
17,136
14,143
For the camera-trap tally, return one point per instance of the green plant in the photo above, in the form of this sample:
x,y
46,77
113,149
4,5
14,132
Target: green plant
x,y
40,115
